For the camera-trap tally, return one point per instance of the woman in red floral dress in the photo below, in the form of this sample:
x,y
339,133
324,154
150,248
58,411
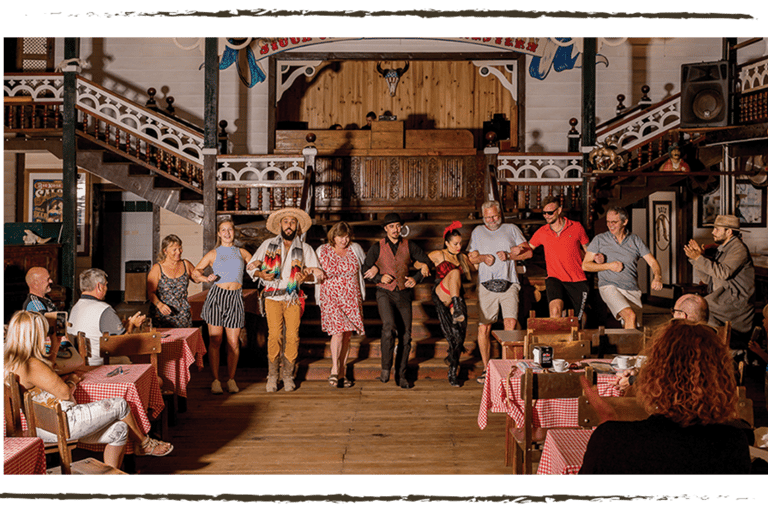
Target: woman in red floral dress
x,y
340,296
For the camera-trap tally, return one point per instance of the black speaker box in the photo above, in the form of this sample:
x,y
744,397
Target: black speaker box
x,y
704,94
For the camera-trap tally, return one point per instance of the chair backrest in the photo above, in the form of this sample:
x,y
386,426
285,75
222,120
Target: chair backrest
x,y
627,408
620,341
78,341
547,324
53,419
13,407
746,407
564,346
724,331
133,344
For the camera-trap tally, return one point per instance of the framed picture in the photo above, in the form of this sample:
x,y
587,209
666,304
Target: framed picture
x,y
709,208
44,202
750,204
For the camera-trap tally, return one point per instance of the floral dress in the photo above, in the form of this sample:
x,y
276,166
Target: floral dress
x,y
172,292
340,298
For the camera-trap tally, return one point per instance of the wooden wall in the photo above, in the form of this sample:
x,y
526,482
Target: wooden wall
x,y
431,94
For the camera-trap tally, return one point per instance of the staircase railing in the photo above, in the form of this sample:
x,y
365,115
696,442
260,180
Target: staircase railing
x,y
33,102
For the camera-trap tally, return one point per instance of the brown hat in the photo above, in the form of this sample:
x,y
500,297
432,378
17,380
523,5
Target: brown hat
x,y
728,222
273,221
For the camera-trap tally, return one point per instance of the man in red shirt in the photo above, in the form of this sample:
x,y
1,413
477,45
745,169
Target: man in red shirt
x,y
564,242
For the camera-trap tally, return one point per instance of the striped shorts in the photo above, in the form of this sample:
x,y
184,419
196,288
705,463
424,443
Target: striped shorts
x,y
224,308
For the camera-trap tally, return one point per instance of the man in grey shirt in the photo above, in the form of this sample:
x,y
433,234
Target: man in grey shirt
x,y
493,249
613,255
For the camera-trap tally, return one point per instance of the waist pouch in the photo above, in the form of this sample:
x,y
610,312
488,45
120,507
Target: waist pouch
x,y
497,285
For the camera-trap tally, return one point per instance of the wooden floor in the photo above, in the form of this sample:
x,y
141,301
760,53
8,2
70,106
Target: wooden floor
x,y
371,428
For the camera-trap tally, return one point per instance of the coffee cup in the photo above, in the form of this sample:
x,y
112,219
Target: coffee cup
x,y
560,365
622,362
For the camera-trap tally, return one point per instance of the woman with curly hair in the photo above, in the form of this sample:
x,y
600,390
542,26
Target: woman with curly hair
x,y
451,265
687,384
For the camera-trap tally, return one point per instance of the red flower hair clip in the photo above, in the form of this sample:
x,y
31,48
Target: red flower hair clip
x,y
453,225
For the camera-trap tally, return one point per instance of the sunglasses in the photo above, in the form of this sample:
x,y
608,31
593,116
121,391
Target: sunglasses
x,y
551,212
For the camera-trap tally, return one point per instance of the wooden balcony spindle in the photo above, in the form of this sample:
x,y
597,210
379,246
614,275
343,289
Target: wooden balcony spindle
x,y
620,108
271,199
237,199
46,110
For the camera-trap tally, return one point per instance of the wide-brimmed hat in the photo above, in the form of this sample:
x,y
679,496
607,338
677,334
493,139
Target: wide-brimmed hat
x,y
390,218
273,221
728,222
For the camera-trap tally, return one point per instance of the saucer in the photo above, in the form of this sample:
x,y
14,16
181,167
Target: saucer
x,y
560,371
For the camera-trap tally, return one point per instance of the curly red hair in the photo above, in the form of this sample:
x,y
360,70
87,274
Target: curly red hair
x,y
689,376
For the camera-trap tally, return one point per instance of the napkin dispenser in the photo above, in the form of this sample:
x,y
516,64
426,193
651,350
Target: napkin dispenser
x,y
542,354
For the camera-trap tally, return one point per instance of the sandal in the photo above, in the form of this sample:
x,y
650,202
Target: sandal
x,y
333,380
481,378
346,383
152,446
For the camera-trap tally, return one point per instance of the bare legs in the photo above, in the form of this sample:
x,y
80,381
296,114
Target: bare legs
x,y
113,455
339,353
629,317
451,281
484,338
216,333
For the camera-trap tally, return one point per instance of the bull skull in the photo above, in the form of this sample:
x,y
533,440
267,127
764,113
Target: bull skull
x,y
392,76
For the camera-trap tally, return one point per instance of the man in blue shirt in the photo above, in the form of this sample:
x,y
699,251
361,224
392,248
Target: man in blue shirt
x,y
39,283
613,255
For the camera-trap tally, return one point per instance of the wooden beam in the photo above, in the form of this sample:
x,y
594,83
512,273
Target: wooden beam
x,y
210,123
69,151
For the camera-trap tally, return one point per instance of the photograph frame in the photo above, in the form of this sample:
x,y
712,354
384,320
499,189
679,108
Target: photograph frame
x,y
750,204
709,208
44,198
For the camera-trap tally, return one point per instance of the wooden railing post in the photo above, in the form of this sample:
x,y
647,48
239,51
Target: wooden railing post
x,y
573,136
491,185
211,109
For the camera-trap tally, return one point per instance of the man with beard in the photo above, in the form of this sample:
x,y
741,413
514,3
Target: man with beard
x,y
617,269
730,279
493,248
564,241
39,283
386,264
283,263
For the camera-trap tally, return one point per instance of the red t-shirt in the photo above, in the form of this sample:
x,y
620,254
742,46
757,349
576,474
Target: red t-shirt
x,y
561,253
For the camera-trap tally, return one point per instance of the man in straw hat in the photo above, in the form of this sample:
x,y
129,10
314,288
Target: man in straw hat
x,y
386,264
283,263
730,279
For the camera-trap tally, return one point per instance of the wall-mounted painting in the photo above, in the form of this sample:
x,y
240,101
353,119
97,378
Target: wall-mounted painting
x,y
45,202
750,204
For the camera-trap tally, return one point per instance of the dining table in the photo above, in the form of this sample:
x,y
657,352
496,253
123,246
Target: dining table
x,y
181,349
136,383
501,394
563,452
23,456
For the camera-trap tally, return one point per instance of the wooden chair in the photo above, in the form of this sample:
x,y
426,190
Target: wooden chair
x,y
724,331
53,419
627,408
524,442
620,341
140,344
13,408
564,346
547,324
745,406
78,341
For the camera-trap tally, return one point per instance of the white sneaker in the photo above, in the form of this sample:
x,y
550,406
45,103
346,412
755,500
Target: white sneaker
x,y
216,388
231,386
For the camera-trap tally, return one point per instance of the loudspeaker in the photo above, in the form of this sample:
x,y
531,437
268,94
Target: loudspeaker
x,y
705,94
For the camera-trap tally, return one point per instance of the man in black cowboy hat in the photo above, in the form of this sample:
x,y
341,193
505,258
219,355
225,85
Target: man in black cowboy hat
x,y
730,277
387,264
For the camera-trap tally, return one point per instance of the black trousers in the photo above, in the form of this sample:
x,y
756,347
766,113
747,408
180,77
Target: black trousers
x,y
390,302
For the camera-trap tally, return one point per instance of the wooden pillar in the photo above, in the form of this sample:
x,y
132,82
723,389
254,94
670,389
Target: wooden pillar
x,y
588,139
210,142
69,171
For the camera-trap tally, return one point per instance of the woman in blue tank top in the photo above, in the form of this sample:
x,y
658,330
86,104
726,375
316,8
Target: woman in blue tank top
x,y
223,310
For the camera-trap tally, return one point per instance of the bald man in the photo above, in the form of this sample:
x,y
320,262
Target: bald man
x,y
39,283
691,307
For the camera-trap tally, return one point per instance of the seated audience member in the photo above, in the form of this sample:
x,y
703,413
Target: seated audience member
x,y
370,117
691,307
109,421
92,316
39,283
692,405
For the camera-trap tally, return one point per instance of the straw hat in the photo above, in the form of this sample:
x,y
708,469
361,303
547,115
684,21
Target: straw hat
x,y
273,221
728,222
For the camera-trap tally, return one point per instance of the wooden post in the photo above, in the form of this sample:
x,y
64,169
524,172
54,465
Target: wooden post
x,y
210,142
69,171
588,86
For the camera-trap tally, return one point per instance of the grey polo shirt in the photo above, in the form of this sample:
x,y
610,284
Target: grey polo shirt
x,y
628,252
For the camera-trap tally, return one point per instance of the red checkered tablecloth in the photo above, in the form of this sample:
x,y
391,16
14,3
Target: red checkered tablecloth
x,y
137,384
503,395
23,456
182,347
564,451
